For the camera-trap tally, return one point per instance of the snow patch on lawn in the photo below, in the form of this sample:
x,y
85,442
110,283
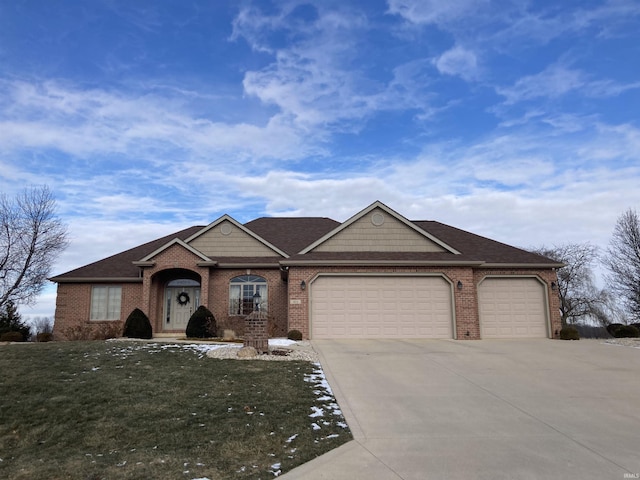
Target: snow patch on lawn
x,y
281,342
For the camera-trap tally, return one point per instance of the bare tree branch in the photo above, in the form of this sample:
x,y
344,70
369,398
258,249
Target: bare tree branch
x,y
623,261
31,238
579,296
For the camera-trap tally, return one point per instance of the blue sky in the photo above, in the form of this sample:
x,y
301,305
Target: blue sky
x,y
517,120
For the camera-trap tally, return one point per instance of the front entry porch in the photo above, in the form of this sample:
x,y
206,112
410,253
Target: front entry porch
x,y
181,299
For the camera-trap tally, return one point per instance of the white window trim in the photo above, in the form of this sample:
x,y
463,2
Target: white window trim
x,y
257,283
105,307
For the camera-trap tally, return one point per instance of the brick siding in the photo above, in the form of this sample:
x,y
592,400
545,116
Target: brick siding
x,y
288,304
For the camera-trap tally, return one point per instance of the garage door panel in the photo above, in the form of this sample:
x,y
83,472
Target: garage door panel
x,y
512,308
381,307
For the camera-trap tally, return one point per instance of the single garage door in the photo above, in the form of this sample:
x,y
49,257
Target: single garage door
x,y
512,308
381,307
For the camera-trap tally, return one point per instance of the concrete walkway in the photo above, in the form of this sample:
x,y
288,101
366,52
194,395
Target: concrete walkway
x,y
503,409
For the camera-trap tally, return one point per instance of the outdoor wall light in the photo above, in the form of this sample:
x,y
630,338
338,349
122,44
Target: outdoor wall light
x,y
459,285
303,285
553,285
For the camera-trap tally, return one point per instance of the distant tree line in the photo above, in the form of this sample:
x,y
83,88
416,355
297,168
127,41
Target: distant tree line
x,y
580,299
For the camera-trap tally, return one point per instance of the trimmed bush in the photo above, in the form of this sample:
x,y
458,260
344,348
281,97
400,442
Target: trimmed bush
x,y
294,335
627,331
12,336
137,325
569,333
202,324
612,327
44,337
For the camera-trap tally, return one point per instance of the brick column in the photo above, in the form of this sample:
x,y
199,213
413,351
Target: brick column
x,y
256,331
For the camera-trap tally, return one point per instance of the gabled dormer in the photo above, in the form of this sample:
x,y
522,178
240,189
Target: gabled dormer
x,y
225,237
378,228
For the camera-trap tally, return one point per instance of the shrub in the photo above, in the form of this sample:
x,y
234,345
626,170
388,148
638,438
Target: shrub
x,y
44,337
78,332
294,335
137,325
12,336
569,333
202,324
228,335
107,330
612,327
627,331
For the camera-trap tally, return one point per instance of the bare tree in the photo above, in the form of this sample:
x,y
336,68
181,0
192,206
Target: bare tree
x,y
579,296
623,262
41,325
31,237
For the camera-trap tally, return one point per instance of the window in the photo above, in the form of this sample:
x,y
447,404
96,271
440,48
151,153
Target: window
x,y
105,303
241,292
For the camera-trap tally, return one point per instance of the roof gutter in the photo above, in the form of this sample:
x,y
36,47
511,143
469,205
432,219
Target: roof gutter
x,y
522,265
328,263
96,280
242,265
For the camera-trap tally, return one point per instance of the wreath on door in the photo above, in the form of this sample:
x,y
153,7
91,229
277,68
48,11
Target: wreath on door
x,y
183,298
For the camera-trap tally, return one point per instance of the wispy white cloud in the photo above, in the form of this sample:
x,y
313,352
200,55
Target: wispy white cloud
x,y
458,61
557,80
84,122
435,11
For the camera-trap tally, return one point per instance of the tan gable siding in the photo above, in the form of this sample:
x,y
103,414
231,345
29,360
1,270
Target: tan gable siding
x,y
237,243
392,236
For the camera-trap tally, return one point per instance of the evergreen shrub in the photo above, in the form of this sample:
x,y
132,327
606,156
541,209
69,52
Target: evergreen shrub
x,y
294,335
612,327
137,325
569,333
627,331
202,324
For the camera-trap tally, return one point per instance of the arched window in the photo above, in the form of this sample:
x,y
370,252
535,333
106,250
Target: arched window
x,y
242,291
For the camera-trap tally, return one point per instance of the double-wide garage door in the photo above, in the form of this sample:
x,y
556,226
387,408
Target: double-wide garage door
x,y
381,307
512,308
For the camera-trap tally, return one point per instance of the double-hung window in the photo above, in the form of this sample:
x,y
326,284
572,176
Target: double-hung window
x,y
242,294
105,302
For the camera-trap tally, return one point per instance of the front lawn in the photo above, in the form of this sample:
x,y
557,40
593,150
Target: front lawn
x,y
122,410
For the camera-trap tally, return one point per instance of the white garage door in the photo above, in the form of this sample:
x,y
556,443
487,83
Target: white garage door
x,y
381,307
512,308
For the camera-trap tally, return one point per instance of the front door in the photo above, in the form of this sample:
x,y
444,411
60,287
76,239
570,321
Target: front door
x,y
180,303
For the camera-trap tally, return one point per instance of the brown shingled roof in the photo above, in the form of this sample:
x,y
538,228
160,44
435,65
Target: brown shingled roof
x,y
120,265
482,248
292,234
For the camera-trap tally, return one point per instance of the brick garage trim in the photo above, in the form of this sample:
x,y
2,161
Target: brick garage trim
x,y
465,299
546,277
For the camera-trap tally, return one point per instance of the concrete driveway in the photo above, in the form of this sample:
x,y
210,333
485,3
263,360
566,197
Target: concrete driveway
x,y
503,409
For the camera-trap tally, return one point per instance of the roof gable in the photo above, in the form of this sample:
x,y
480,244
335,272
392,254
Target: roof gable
x,y
166,246
225,237
378,228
